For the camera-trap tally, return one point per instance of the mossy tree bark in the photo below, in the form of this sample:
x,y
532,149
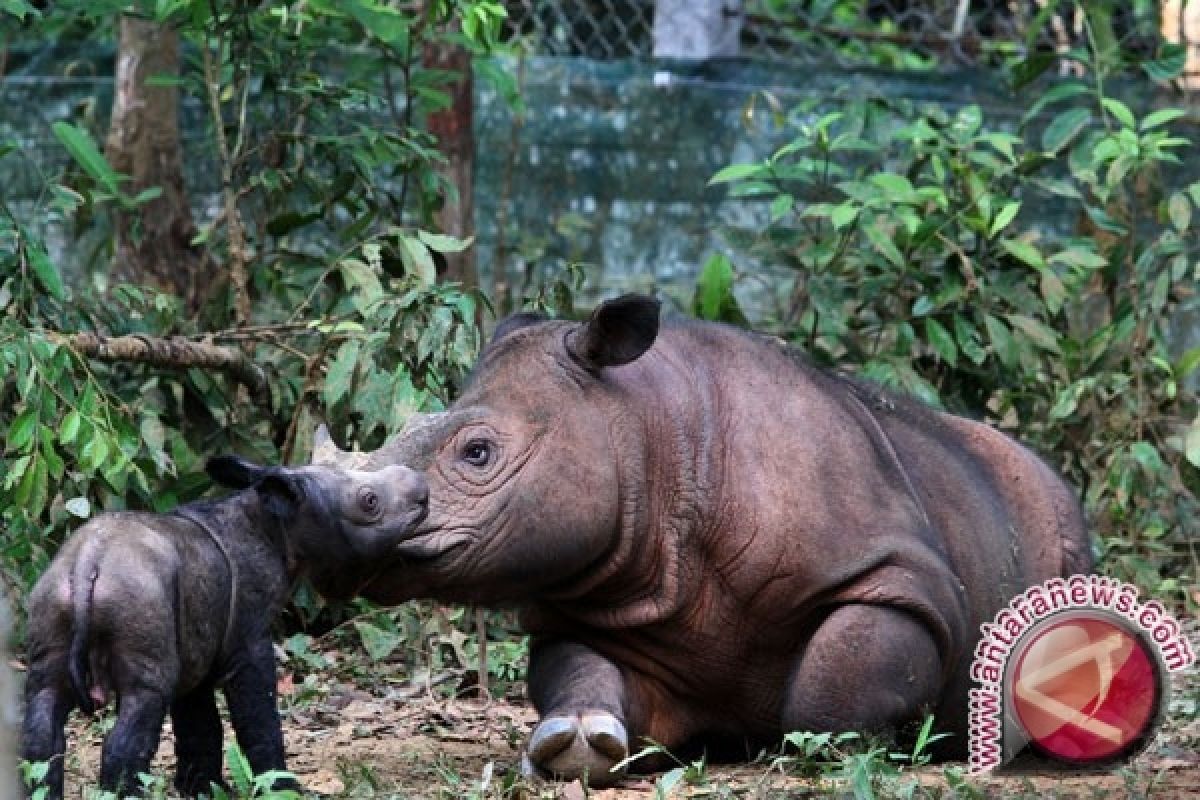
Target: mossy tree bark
x,y
453,127
154,241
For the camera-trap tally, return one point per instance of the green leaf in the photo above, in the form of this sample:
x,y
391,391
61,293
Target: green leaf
x,y
1120,111
95,452
1064,128
1169,64
418,261
941,341
1004,217
1186,363
1053,291
81,147
15,470
1080,257
1191,443
69,428
897,187
968,340
884,244
289,221
154,434
341,372
79,507
1037,332
441,243
1146,456
714,298
1161,117
737,172
359,275
923,305
378,642
1179,208
1024,251
46,272
1030,69
842,215
1002,341
20,432
780,206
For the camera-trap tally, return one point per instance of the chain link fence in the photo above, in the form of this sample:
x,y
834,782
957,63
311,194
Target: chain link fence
x,y
912,34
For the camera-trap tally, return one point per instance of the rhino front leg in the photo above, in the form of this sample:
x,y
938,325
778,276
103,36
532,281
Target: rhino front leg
x,y
868,669
130,745
250,694
580,698
198,737
47,704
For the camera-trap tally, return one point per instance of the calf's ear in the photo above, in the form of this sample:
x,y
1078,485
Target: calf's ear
x,y
234,471
281,493
618,332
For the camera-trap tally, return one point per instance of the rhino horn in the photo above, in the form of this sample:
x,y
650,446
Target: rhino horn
x,y
324,451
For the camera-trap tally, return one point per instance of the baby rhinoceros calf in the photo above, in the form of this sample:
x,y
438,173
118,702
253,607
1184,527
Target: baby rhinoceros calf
x,y
159,610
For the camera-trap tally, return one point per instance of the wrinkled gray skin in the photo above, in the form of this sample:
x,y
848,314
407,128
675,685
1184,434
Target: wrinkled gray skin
x,y
714,542
158,610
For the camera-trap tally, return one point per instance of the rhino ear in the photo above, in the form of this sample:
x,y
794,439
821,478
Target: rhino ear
x,y
281,492
234,471
618,332
515,322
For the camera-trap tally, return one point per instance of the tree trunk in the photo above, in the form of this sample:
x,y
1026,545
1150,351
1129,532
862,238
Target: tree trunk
x,y
456,139
154,241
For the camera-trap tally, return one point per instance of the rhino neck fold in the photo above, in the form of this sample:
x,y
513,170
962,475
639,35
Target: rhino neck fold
x,y
666,468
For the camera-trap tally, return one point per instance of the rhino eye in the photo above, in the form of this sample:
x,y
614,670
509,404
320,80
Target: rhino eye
x,y
477,453
368,501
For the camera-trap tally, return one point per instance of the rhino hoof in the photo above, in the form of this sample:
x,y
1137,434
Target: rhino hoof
x,y
585,745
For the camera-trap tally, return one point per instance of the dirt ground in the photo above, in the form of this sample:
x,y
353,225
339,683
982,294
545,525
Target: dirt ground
x,y
407,742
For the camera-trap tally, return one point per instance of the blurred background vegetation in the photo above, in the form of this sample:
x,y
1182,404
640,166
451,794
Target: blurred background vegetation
x,y
222,222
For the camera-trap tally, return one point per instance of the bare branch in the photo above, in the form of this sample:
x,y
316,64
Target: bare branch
x,y
173,352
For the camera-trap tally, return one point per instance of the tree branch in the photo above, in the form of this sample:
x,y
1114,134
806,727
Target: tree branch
x,y
173,352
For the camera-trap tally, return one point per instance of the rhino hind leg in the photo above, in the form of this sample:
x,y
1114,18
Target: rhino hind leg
x,y
580,697
48,701
198,736
870,669
130,746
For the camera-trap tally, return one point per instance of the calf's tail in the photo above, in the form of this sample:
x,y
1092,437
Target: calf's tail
x,y
83,584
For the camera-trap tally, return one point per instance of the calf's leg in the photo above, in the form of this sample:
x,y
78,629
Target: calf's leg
x,y
197,741
250,694
130,745
866,668
48,701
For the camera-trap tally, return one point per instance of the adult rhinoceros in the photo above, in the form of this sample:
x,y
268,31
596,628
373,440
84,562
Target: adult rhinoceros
x,y
712,539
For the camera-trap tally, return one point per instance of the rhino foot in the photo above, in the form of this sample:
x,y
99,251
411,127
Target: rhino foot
x,y
586,745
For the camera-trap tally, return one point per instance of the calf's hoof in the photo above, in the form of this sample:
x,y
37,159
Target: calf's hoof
x,y
586,745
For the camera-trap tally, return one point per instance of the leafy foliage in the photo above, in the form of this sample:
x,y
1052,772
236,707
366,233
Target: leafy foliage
x,y
334,183
918,258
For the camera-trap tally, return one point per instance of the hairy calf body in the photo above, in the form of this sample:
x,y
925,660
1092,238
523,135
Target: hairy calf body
x,y
159,610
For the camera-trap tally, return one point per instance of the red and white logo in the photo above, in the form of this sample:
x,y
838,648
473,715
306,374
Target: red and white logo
x,y
1085,689
1074,670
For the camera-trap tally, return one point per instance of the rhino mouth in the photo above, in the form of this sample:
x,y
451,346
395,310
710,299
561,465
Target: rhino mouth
x,y
427,545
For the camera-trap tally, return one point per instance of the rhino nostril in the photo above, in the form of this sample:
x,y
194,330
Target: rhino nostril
x,y
418,495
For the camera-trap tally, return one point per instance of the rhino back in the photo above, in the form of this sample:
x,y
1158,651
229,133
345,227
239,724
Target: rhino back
x,y
784,490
